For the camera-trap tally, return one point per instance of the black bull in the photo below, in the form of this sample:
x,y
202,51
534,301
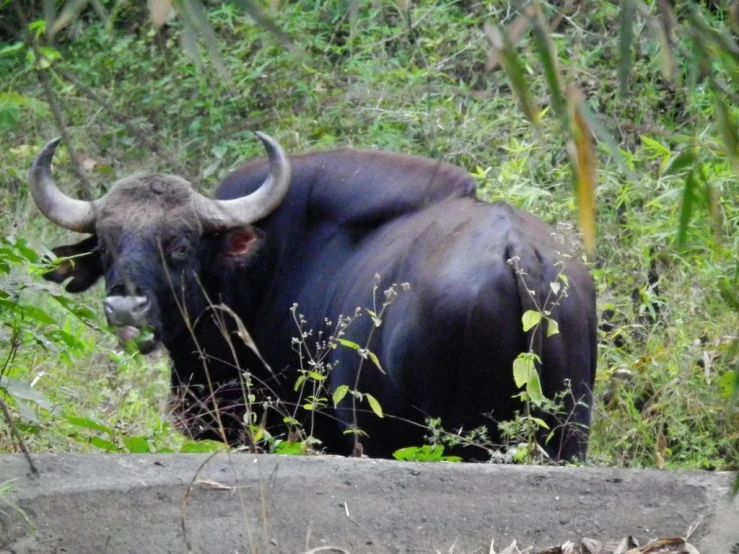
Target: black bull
x,y
446,345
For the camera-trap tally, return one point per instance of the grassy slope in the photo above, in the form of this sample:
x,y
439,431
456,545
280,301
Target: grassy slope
x,y
414,84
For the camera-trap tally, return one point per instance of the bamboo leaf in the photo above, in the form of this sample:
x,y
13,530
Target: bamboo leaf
x,y
728,127
583,158
257,15
514,69
548,57
625,46
667,22
24,391
605,137
686,208
70,11
90,424
194,11
683,160
25,411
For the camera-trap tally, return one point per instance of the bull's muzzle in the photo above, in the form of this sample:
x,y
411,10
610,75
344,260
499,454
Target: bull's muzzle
x,y
128,316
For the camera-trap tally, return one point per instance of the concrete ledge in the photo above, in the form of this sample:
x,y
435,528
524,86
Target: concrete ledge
x,y
250,503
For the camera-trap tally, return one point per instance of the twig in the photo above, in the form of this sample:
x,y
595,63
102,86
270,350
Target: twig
x,y
52,99
17,435
677,137
123,120
186,500
87,91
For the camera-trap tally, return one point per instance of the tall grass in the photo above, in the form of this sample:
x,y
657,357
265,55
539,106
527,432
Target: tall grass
x,y
657,110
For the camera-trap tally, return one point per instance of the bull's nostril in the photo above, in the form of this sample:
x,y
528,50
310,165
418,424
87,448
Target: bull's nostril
x,y
141,304
127,310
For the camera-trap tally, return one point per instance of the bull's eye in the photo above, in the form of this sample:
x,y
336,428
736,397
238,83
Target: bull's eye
x,y
179,253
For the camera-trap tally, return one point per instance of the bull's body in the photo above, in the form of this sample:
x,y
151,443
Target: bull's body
x,y
446,345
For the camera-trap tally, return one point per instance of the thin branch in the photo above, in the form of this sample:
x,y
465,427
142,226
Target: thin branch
x,y
14,431
123,120
43,78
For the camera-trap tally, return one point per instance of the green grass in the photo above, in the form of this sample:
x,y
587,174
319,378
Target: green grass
x,y
411,83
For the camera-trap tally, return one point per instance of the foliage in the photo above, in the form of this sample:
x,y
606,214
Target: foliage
x,y
659,179
425,453
40,338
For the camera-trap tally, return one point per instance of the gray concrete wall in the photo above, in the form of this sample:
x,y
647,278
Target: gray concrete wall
x,y
248,503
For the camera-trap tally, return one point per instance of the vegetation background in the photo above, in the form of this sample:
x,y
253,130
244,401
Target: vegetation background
x,y
621,115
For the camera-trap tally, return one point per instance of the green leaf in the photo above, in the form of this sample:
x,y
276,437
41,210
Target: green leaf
x,y
349,344
545,50
655,146
316,376
376,361
193,12
254,11
606,138
540,422
286,448
24,391
683,160
375,405
728,383
533,388
87,423
530,319
626,39
425,453
203,447
25,411
102,444
136,445
38,314
13,48
523,366
552,327
686,208
728,127
37,107
340,393
515,70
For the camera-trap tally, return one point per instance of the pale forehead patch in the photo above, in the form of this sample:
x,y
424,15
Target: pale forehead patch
x,y
146,202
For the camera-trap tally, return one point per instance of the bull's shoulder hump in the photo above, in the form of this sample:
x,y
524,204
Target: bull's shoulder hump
x,y
354,185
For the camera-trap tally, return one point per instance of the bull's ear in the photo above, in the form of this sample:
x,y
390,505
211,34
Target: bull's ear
x,y
239,245
81,263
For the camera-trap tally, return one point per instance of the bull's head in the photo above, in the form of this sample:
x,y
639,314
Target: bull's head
x,y
152,237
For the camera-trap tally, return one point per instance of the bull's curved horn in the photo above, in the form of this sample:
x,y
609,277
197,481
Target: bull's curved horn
x,y
71,214
225,214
